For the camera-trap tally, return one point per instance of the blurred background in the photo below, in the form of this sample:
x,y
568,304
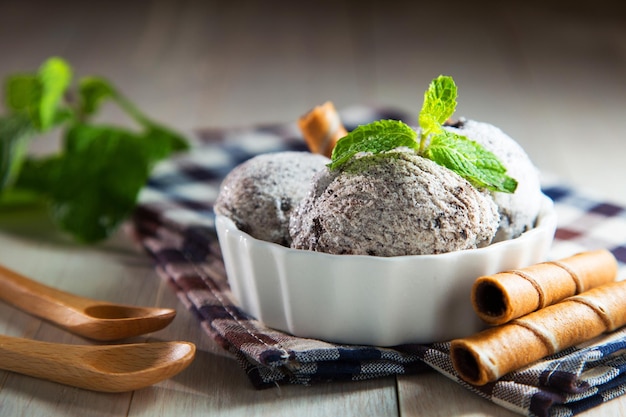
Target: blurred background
x,y
550,74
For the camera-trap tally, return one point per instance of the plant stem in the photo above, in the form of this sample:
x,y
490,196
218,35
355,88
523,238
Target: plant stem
x,y
131,109
422,146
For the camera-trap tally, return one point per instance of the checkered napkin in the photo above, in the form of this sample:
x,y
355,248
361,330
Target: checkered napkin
x,y
174,222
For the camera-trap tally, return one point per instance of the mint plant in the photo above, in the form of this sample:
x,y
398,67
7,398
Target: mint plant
x,y
91,186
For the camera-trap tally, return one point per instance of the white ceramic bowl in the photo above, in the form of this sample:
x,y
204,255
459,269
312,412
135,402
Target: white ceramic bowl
x,y
370,300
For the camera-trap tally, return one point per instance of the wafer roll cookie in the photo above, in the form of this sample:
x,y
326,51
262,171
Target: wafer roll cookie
x,y
322,128
486,356
507,295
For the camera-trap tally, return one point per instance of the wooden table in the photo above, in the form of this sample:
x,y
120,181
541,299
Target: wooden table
x,y
551,76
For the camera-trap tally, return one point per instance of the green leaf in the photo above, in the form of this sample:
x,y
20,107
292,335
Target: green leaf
x,y
15,134
439,104
39,95
22,92
17,198
92,185
161,142
471,161
93,91
98,180
39,175
375,137
55,76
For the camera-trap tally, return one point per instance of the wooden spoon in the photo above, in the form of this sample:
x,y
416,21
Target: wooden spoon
x,y
86,317
107,368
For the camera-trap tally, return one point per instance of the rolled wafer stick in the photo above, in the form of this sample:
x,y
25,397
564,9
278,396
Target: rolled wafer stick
x,y
322,128
486,356
505,296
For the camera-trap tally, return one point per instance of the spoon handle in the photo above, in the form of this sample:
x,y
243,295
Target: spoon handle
x,y
35,298
43,360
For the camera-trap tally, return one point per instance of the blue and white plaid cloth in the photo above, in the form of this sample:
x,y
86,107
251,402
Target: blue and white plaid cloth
x,y
174,222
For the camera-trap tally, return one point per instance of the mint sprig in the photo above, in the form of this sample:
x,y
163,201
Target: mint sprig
x,y
439,105
91,185
470,160
375,137
467,158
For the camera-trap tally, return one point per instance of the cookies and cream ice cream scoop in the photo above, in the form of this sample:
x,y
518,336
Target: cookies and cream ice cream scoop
x,y
392,204
260,194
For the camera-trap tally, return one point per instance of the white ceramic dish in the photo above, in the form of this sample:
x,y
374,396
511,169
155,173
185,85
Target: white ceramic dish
x,y
370,300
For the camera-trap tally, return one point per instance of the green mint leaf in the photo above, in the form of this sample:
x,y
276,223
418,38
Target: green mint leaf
x,y
98,179
55,76
39,175
91,187
439,104
39,95
22,92
375,137
93,91
471,161
15,134
161,142
16,198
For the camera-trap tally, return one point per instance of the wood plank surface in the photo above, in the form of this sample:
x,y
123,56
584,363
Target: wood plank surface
x,y
551,75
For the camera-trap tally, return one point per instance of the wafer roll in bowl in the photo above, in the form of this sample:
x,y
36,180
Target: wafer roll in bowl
x,y
490,354
504,296
322,128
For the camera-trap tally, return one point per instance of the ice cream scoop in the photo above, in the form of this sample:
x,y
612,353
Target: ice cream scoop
x,y
260,194
393,204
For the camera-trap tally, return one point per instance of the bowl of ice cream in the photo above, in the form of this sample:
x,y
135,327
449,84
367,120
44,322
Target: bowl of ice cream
x,y
345,276
371,300
381,243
